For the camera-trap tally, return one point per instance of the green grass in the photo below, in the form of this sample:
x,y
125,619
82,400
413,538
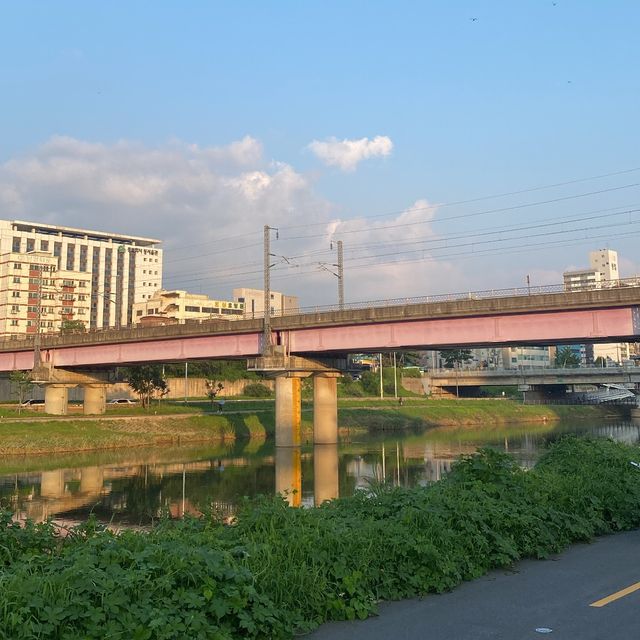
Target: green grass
x,y
279,571
136,427
84,435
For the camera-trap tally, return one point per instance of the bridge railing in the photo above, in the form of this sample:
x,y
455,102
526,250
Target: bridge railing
x,y
470,295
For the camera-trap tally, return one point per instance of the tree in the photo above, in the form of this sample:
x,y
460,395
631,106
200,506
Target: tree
x,y
21,383
565,357
72,326
213,389
147,381
455,357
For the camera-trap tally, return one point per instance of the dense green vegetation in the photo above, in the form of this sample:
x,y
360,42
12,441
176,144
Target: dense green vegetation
x,y
278,570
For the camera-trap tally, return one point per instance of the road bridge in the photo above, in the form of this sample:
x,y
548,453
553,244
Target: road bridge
x,y
533,377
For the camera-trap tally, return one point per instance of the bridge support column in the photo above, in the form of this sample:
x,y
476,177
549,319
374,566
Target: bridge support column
x,y
56,399
325,408
289,474
325,473
95,398
288,411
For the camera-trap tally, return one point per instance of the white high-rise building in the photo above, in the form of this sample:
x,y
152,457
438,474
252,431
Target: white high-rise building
x,y
122,269
606,262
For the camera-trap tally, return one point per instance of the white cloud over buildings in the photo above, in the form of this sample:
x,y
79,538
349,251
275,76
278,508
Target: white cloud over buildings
x,y
347,154
208,204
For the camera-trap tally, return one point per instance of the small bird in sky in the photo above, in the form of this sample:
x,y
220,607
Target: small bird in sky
x,y
473,19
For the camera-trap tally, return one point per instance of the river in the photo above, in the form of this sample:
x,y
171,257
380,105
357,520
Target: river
x,y
135,486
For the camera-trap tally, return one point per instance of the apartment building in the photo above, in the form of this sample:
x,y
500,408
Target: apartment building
x,y
603,268
35,295
181,306
253,301
122,270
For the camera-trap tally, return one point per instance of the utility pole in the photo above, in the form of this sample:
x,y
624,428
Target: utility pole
x,y
381,384
266,331
340,276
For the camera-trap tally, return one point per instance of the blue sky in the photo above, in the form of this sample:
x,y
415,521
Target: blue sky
x,y
475,99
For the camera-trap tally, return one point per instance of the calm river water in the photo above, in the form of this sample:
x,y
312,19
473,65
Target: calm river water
x,y
133,487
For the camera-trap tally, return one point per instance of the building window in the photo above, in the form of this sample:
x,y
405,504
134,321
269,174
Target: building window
x,y
17,265
15,245
192,309
31,245
14,323
71,255
83,257
138,313
16,279
15,294
44,245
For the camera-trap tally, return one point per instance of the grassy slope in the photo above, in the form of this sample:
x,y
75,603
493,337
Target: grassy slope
x,y
133,428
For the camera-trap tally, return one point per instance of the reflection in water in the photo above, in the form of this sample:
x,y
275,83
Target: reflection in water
x,y
136,487
289,474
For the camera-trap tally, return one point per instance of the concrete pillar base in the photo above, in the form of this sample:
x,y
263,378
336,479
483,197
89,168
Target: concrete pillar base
x,y
288,411
56,399
325,408
95,399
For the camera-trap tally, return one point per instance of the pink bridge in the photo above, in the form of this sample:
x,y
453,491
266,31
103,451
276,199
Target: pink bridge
x,y
603,315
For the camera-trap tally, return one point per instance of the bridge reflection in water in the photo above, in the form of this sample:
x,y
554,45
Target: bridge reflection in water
x,y
137,487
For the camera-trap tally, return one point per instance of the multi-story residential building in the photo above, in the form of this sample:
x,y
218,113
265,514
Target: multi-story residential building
x,y
603,268
253,300
605,261
181,306
37,296
526,357
122,269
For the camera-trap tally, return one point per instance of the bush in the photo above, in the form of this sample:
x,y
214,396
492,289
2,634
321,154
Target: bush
x,y
256,390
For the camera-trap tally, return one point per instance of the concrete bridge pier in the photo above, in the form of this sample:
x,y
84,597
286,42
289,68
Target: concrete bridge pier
x,y
325,408
95,399
288,410
56,399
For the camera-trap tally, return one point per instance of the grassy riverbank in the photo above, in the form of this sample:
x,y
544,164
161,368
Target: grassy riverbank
x,y
279,571
35,433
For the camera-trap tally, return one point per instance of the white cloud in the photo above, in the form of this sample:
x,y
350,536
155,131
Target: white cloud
x,y
209,205
392,257
347,154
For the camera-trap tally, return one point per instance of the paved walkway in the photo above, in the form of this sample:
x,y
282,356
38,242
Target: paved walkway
x,y
545,598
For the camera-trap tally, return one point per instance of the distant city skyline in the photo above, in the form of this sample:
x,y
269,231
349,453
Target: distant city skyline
x,y
450,147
